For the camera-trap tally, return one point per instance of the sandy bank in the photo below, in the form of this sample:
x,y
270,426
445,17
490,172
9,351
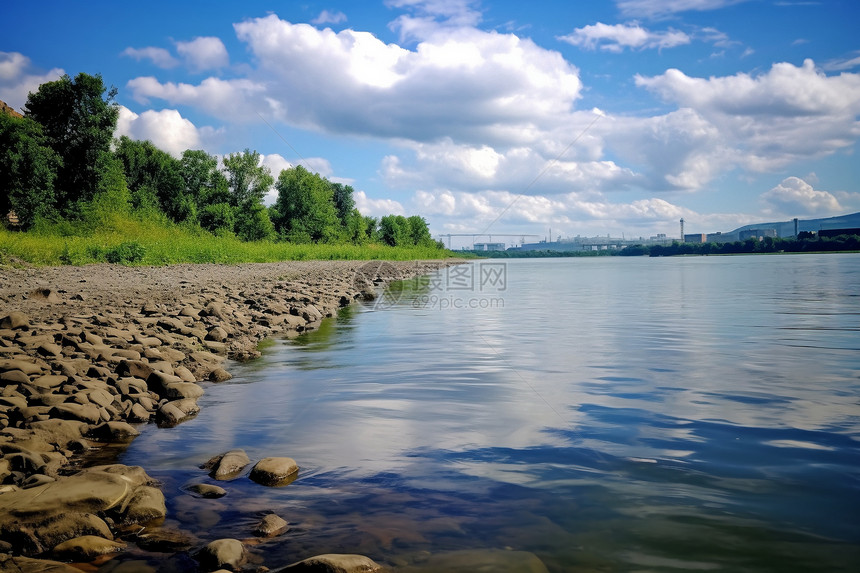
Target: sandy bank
x,y
88,352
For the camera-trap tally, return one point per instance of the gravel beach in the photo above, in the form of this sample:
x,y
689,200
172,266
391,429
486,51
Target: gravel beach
x,y
88,353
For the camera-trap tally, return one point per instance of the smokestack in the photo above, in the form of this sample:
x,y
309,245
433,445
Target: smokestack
x,y
795,227
682,229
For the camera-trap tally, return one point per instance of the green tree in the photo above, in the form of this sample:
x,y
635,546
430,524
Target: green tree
x,y
218,218
247,180
154,179
203,181
394,230
419,234
28,168
304,210
78,117
344,203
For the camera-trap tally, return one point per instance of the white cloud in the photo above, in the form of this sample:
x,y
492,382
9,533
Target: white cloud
x,y
662,8
327,17
204,53
789,113
616,38
18,78
428,17
841,64
376,207
166,129
794,197
462,83
158,56
450,211
236,99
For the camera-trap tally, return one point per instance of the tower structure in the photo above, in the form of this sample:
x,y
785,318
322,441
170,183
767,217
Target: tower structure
x,y
682,229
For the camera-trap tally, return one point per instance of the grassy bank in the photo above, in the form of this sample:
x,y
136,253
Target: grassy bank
x,y
135,241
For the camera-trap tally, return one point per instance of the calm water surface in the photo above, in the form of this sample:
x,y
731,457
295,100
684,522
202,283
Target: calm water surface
x,y
606,414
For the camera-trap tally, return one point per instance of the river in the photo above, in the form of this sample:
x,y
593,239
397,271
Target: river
x,y
597,414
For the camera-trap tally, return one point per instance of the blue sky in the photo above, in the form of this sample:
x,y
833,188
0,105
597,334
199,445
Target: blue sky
x,y
588,118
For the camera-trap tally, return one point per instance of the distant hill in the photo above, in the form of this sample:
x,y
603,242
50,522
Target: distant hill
x,y
6,108
786,228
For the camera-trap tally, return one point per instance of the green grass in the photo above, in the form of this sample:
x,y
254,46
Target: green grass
x,y
137,241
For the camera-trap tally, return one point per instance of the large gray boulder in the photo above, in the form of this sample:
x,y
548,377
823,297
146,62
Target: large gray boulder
x,y
228,465
275,471
227,554
334,563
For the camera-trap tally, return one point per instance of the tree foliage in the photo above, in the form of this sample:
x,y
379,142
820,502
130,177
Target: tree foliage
x,y
78,118
304,210
61,162
28,168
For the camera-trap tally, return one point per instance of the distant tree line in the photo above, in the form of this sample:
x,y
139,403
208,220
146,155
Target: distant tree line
x,y
804,243
60,162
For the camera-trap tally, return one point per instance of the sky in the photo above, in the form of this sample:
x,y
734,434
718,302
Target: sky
x,y
489,116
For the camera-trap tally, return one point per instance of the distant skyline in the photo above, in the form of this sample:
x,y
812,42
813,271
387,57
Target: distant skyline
x,y
615,117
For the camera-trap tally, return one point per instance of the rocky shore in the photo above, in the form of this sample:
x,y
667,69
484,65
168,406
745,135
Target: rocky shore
x,y
89,353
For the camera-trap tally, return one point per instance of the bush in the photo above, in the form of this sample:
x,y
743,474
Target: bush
x,y
126,253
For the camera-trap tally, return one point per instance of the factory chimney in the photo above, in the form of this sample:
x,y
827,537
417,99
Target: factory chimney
x,y
795,227
682,229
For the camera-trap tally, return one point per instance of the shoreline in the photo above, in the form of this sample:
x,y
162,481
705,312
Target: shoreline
x,y
86,352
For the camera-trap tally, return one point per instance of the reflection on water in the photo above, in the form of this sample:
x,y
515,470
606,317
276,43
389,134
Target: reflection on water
x,y
610,415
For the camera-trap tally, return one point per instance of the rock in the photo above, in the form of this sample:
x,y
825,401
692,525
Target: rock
x,y
88,413
36,480
86,548
184,374
49,381
270,526
176,411
146,504
335,563
219,375
228,465
113,432
27,565
14,377
26,366
134,369
15,321
217,334
45,294
180,390
50,350
227,554
163,540
275,471
41,532
207,490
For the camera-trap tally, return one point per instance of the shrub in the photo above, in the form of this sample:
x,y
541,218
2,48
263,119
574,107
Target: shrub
x,y
126,253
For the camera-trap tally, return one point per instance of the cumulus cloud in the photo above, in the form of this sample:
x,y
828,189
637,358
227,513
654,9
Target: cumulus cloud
x,y
166,129
616,38
204,53
327,17
235,99
451,211
662,8
18,78
376,207
795,197
158,56
786,114
427,17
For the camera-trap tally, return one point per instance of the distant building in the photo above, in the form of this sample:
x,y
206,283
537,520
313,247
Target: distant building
x,y
695,238
756,234
717,237
489,247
